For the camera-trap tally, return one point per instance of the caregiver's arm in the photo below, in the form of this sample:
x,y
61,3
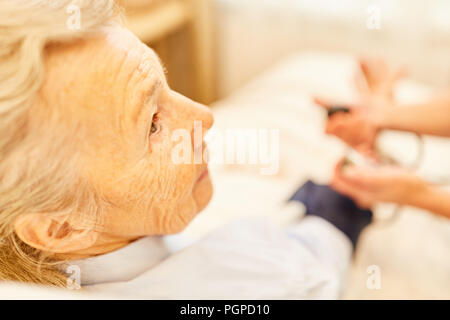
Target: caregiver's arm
x,y
431,117
376,109
369,185
359,128
434,199
376,87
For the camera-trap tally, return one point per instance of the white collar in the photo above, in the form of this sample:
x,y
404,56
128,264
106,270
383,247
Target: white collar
x,y
123,264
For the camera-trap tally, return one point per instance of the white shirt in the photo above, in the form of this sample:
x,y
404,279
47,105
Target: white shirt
x,y
250,259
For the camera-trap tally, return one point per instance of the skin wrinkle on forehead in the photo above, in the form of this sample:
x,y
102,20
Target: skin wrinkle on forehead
x,y
147,57
149,63
148,101
145,85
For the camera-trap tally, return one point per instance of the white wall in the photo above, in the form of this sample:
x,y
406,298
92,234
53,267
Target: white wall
x,y
254,34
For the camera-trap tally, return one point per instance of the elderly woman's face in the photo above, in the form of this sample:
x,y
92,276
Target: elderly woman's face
x,y
116,88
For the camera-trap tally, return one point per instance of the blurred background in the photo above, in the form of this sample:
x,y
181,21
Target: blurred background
x,y
259,62
223,44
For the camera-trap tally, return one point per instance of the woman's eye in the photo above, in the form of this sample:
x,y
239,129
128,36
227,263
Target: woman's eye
x,y
155,126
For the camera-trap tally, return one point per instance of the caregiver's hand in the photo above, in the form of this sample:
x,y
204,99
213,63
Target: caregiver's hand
x,y
369,185
359,128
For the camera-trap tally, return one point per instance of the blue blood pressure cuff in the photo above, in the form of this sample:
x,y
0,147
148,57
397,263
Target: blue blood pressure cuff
x,y
339,210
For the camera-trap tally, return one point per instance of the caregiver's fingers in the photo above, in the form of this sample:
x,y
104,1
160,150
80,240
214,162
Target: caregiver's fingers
x,y
379,75
358,195
336,124
373,68
365,66
368,65
339,167
327,104
361,85
344,125
353,131
368,150
357,176
322,103
341,183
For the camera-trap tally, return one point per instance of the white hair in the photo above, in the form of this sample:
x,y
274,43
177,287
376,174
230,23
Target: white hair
x,y
35,172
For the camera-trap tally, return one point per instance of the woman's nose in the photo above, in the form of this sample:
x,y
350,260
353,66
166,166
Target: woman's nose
x,y
204,115
193,111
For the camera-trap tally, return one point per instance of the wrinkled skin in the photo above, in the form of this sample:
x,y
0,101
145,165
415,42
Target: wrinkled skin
x,y
114,86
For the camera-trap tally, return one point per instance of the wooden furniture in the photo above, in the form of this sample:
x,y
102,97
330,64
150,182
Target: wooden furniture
x,y
180,31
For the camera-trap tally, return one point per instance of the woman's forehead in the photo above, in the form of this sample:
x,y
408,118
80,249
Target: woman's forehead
x,y
126,42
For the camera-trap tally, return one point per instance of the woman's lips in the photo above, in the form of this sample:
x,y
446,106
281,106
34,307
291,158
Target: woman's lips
x,y
203,175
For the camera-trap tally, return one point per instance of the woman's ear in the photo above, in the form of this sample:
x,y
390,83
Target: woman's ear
x,y
53,233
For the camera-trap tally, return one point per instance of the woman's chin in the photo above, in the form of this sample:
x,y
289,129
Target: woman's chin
x,y
203,191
